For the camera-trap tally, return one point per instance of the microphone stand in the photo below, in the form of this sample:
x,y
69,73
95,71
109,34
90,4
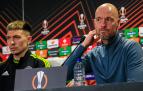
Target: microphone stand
x,y
81,40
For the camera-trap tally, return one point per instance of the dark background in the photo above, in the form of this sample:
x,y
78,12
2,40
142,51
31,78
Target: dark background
x,y
62,16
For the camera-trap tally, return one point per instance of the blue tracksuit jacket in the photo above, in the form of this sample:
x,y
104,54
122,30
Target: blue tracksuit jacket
x,y
119,61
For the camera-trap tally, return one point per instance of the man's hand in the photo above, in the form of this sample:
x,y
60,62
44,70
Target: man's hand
x,y
90,38
71,83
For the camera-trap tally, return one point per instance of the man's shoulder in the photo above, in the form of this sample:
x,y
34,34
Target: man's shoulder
x,y
39,58
131,45
128,42
8,60
3,63
34,56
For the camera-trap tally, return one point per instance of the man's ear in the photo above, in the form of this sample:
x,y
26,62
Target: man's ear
x,y
29,39
94,22
118,24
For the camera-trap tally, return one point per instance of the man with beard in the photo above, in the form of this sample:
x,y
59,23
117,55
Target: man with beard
x,y
116,59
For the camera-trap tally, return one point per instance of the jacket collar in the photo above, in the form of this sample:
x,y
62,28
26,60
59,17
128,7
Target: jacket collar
x,y
24,58
114,39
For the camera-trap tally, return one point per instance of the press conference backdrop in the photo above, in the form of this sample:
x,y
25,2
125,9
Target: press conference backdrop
x,y
63,18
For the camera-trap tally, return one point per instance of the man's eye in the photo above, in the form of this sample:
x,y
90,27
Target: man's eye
x,y
98,19
17,37
109,19
7,37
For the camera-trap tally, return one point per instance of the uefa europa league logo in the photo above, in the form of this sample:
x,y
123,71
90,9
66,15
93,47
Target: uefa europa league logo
x,y
45,27
82,24
122,12
41,77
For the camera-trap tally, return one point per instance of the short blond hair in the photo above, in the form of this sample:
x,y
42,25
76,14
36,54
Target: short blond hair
x,y
19,25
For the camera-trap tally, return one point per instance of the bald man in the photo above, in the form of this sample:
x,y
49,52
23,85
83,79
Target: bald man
x,y
116,59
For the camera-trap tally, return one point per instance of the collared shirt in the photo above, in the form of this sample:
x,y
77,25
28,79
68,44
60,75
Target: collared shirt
x,y
119,61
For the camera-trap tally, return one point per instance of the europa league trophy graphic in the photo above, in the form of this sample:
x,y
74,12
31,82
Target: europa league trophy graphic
x,y
82,24
122,12
40,75
45,27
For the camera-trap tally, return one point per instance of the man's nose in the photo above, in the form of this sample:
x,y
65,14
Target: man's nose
x,y
103,23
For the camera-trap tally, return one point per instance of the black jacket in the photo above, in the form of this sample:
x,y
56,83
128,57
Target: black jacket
x,y
8,68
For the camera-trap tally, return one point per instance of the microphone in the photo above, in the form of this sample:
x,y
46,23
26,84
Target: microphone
x,y
82,39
